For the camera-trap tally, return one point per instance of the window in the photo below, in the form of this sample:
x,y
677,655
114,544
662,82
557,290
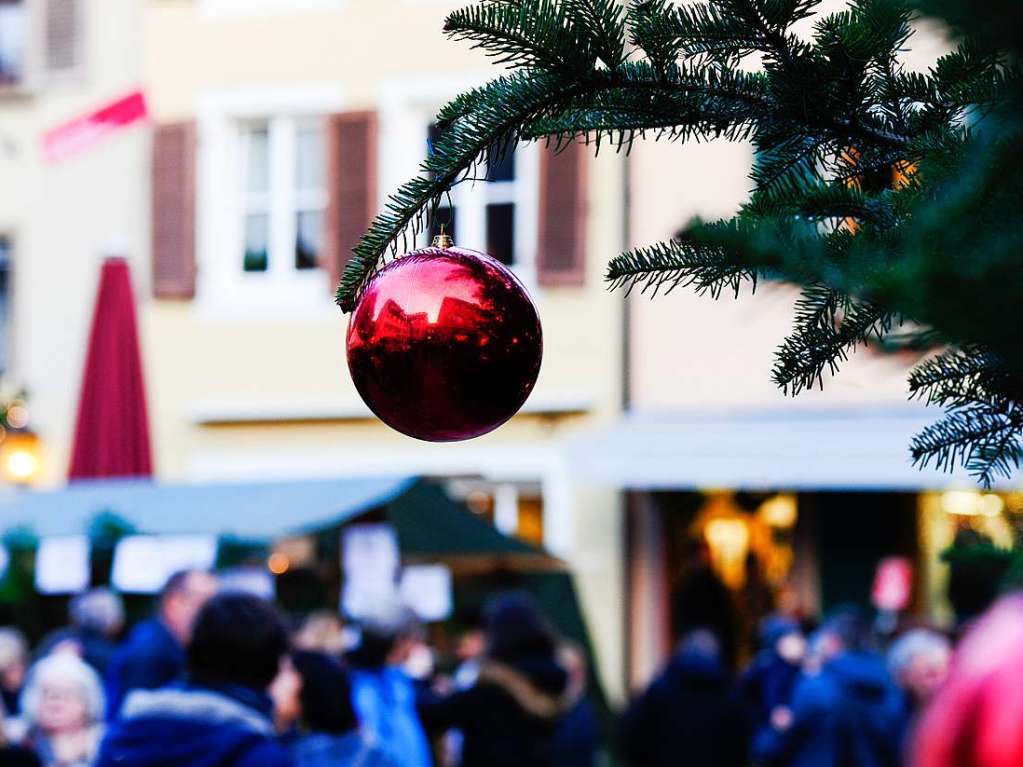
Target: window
x,y
283,196
13,31
40,37
483,213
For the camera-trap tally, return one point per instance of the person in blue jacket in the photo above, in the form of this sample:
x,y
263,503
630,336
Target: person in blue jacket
x,y
382,694
153,655
221,715
770,681
846,710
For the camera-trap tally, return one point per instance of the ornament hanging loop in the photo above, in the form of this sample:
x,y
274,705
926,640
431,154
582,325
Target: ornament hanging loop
x,y
442,240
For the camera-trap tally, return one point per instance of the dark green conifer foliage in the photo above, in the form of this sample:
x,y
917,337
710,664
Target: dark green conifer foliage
x,y
891,196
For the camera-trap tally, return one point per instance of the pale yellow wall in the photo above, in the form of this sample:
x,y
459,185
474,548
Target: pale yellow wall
x,y
689,351
64,216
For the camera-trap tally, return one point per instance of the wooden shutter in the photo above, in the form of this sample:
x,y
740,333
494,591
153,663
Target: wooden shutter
x,y
63,27
174,211
561,255
352,179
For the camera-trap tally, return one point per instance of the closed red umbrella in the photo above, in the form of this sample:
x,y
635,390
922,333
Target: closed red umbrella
x,y
112,433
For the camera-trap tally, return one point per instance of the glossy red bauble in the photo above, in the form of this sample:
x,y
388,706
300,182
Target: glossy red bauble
x,y
444,344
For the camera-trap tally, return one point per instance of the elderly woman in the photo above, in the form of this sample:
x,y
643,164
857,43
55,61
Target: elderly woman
x,y
62,707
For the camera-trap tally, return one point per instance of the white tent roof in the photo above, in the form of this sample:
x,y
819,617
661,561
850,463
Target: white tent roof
x,y
253,510
791,449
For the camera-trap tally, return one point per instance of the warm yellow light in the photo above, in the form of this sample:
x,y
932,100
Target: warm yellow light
x,y
991,505
21,458
278,563
968,503
478,502
961,503
22,465
779,512
730,537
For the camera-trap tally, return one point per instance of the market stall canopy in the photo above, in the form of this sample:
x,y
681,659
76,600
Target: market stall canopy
x,y
792,449
253,511
433,527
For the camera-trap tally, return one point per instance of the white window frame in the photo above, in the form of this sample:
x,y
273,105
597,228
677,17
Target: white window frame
x,y
283,200
35,73
407,107
223,287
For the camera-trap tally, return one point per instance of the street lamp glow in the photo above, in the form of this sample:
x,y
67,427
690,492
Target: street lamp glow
x,y
21,458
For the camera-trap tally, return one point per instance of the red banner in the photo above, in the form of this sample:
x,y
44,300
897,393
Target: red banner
x,y
79,134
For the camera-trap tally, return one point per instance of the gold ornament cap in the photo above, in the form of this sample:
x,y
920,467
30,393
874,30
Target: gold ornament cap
x,y
443,240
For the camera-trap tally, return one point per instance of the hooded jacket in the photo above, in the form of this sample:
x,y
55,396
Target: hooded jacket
x,y
224,726
508,718
848,715
689,712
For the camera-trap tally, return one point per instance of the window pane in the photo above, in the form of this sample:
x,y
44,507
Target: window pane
x,y
501,164
309,239
501,232
448,217
258,159
257,238
13,29
309,156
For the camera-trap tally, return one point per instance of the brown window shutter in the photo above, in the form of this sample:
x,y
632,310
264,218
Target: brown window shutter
x,y
352,179
561,255
63,35
174,211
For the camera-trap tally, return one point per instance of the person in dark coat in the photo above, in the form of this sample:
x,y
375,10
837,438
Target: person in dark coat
x,y
577,738
97,617
690,714
846,711
154,653
770,681
221,715
508,717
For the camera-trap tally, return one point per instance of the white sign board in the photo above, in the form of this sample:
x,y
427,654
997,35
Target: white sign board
x,y
62,565
143,563
256,581
5,560
370,560
426,590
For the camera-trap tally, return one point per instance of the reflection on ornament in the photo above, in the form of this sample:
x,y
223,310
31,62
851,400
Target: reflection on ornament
x,y
444,344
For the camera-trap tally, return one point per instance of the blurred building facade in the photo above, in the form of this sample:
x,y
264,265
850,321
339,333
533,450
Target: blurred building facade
x,y
275,129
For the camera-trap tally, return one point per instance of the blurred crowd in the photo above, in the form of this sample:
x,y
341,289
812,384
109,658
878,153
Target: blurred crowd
x,y
222,679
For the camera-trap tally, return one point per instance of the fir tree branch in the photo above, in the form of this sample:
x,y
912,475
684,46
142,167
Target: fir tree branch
x,y
528,33
987,444
816,344
679,263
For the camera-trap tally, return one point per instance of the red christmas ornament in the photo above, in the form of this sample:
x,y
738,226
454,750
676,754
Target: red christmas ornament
x,y
444,344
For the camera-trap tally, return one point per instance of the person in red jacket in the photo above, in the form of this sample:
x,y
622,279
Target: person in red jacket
x,y
975,720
